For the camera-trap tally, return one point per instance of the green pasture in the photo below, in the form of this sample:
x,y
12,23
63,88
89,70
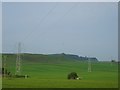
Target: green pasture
x,y
54,75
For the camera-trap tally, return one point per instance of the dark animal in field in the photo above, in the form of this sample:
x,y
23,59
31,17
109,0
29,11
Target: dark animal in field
x,y
6,73
21,76
73,75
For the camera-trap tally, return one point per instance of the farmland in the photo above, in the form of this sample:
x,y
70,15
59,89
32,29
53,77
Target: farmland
x,y
53,73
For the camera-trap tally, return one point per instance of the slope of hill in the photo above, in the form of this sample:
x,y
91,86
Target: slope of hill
x,y
75,57
50,58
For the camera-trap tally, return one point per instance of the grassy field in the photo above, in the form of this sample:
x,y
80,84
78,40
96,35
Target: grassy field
x,y
54,75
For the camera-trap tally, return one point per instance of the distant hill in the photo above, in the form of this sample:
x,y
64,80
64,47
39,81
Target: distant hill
x,y
75,57
50,58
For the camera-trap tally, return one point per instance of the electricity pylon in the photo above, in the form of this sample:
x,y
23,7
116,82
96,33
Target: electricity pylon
x,y
4,65
18,60
89,65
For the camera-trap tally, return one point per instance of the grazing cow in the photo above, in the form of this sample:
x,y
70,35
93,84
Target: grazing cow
x,y
73,75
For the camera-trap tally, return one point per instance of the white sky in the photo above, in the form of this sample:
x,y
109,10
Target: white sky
x,y
87,29
60,0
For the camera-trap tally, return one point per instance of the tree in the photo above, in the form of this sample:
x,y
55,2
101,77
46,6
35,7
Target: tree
x,y
113,61
72,75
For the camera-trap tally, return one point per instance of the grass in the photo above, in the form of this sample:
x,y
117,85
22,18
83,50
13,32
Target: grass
x,y
54,75
58,83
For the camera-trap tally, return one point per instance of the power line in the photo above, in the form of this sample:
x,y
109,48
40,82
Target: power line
x,y
65,14
41,21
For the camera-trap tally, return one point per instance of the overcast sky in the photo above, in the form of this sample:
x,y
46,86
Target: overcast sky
x,y
85,29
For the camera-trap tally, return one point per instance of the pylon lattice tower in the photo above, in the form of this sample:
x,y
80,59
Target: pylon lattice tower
x,y
18,60
89,65
4,65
